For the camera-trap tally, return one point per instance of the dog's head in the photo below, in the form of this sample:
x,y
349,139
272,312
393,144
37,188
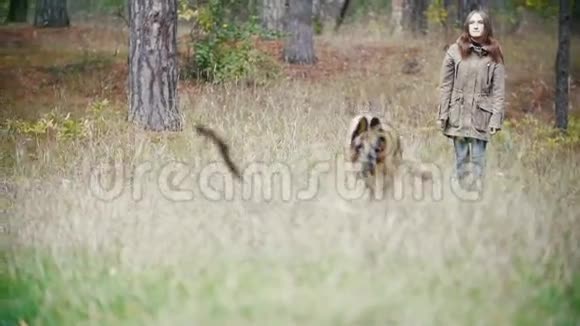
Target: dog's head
x,y
368,144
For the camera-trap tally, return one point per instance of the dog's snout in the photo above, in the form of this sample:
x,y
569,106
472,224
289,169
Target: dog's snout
x,y
368,168
369,163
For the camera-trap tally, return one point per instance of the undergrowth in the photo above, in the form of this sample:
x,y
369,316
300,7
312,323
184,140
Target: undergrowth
x,y
225,50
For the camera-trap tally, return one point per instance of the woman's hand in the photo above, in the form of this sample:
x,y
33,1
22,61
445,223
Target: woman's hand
x,y
492,130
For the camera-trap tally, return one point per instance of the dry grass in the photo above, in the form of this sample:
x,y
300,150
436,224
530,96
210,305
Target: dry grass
x,y
153,255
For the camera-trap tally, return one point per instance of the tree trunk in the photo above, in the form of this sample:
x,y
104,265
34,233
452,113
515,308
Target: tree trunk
x,y
17,11
299,47
419,17
341,14
316,9
407,15
499,4
563,64
482,5
273,12
330,9
449,20
466,6
153,66
576,16
397,7
413,16
51,13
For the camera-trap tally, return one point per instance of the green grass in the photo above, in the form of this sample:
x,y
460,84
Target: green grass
x,y
42,289
553,303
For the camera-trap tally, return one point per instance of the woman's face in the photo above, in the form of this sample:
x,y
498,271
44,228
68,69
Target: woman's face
x,y
476,26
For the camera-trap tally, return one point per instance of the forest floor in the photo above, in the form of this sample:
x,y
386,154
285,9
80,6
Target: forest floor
x,y
105,224
36,61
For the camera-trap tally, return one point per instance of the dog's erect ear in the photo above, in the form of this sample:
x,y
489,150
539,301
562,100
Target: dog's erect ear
x,y
375,123
362,126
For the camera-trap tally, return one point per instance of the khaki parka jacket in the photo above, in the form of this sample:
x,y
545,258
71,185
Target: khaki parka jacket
x,y
471,94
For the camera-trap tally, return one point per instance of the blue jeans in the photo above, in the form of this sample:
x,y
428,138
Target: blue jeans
x,y
469,150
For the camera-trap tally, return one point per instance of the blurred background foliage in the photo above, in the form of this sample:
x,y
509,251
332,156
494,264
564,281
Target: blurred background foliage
x,y
222,31
242,10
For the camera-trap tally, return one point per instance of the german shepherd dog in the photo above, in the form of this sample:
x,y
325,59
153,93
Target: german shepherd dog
x,y
377,149
373,144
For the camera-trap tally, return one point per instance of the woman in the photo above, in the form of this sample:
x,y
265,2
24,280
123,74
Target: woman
x,y
471,106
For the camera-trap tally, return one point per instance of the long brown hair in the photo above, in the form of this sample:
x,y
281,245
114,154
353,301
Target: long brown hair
x,y
489,43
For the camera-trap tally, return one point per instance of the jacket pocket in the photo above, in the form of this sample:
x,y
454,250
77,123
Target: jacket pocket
x,y
455,110
482,114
